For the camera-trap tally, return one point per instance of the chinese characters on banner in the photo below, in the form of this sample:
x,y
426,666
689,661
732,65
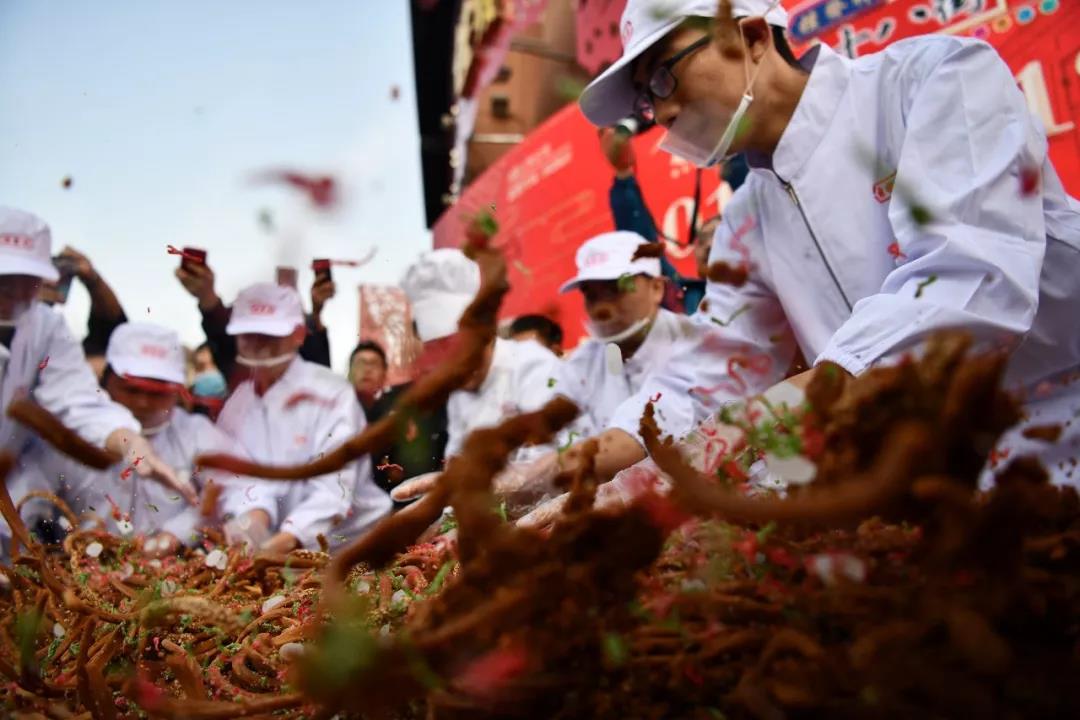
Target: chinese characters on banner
x,y
1039,39
385,318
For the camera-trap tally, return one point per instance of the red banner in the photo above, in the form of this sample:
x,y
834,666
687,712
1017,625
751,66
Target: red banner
x,y
550,194
1039,39
386,318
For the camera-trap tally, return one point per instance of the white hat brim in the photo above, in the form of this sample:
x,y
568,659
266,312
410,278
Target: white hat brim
x,y
254,326
610,97
29,266
149,369
437,316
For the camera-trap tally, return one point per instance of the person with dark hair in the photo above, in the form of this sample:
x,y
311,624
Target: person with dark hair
x,y
144,373
538,328
367,373
198,280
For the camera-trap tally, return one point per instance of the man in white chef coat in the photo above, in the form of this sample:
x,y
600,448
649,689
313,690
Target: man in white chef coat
x,y
630,335
291,411
890,197
145,373
516,377
39,358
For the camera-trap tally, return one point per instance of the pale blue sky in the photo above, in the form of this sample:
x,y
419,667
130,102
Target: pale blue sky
x,y
161,112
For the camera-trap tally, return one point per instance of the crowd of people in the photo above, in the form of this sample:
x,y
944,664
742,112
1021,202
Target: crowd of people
x,y
812,263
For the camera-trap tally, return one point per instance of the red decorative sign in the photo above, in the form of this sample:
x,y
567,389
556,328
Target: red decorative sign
x,y
386,318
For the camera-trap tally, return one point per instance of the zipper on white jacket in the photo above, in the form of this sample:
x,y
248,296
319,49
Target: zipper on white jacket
x,y
806,221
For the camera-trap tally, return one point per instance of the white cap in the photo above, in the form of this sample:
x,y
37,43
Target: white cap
x,y
144,350
610,97
440,285
610,257
25,245
266,309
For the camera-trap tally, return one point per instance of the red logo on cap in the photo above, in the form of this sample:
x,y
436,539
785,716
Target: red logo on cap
x,y
262,309
154,351
595,258
22,242
627,32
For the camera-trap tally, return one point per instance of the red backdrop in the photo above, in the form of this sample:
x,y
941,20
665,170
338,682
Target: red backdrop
x,y
550,193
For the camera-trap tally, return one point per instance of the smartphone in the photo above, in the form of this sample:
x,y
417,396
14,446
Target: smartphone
x,y
191,257
66,267
286,276
321,268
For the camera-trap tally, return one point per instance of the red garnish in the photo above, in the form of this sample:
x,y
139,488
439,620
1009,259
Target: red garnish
x,y
44,363
895,253
492,670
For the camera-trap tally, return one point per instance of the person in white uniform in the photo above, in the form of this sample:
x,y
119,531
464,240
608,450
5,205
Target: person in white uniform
x,y
891,197
39,358
516,377
145,373
630,337
291,411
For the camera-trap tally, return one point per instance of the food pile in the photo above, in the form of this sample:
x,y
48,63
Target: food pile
x,y
888,587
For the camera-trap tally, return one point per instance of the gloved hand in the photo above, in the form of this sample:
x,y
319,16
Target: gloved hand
x,y
619,492
139,455
519,484
251,529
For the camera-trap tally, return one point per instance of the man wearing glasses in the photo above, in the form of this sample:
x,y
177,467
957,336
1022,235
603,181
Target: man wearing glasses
x,y
890,197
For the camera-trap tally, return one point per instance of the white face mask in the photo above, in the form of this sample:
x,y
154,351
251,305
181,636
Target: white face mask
x,y
265,362
620,336
16,314
691,136
154,430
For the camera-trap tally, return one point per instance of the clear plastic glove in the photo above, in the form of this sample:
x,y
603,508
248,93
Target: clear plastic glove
x,y
620,492
139,455
282,542
252,529
520,484
414,487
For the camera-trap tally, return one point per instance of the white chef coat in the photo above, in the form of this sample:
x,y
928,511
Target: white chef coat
x,y
309,411
47,363
521,379
599,389
839,257
145,505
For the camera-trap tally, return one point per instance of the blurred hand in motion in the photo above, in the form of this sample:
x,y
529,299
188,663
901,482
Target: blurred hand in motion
x,y
138,454
198,280
251,529
283,542
84,269
520,484
618,493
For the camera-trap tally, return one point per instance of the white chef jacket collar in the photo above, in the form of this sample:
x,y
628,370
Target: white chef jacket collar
x,y
653,340
283,385
829,77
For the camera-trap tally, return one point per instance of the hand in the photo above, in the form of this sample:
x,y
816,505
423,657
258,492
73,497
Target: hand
x,y
137,452
251,529
618,151
415,487
161,545
283,542
321,292
198,280
620,492
84,269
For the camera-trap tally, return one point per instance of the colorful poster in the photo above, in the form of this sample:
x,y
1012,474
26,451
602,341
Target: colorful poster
x,y
386,318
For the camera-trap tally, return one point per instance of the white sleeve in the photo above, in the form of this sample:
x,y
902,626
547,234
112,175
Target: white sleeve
x,y
536,370
975,264
241,494
455,424
736,345
67,388
327,498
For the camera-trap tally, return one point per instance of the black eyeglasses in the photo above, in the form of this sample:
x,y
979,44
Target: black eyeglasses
x,y
662,82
